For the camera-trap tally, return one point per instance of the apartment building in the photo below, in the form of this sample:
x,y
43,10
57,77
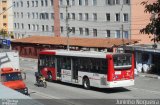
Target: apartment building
x,y
86,18
3,16
6,17
33,17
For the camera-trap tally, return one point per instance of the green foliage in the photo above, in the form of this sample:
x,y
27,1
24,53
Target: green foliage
x,y
153,27
3,32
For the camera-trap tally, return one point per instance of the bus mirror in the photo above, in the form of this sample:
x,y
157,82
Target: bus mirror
x,y
23,75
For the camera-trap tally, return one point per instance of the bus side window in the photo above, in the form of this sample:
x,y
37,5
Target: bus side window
x,y
66,63
104,66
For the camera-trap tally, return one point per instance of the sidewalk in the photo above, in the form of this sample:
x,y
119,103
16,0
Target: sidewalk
x,y
28,59
155,76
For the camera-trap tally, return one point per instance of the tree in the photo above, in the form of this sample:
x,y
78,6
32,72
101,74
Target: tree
x,y
153,27
3,33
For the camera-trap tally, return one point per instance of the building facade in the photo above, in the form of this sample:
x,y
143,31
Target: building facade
x,y
139,20
3,16
85,18
33,17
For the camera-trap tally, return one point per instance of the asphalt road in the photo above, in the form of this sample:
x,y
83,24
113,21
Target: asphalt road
x,y
68,94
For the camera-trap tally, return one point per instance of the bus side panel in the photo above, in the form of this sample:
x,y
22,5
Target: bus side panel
x,y
110,68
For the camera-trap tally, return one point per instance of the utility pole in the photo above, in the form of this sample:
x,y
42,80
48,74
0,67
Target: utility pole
x,y
122,27
67,24
67,27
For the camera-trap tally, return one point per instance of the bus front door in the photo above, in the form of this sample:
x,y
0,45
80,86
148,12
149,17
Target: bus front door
x,y
59,67
75,70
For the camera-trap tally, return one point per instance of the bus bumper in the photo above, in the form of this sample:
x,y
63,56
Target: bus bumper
x,y
121,83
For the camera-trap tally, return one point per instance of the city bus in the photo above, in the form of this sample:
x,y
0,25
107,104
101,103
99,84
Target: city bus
x,y
87,68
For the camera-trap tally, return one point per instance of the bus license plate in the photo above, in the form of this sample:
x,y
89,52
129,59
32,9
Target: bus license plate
x,y
117,72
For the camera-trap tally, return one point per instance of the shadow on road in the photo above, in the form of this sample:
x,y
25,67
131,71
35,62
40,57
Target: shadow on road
x,y
103,90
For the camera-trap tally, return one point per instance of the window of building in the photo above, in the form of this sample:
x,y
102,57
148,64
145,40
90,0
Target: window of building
x,y
17,14
73,2
17,4
125,17
32,3
80,16
73,30
29,26
95,16
47,28
86,2
36,15
61,16
28,15
15,25
4,16
94,2
61,2
14,14
43,29
62,29
86,31
110,2
36,3
14,5
4,8
52,27
37,27
126,2
80,2
108,18
27,3
117,17
42,3
117,34
18,25
68,15
46,16
94,32
117,1
86,16
73,16
52,3
68,3
46,3
108,33
33,26
81,31
21,14
52,15
126,35
33,15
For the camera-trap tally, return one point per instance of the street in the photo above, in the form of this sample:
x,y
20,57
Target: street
x,y
63,93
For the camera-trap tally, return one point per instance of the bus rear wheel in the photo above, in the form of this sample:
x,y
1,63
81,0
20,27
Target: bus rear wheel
x,y
50,78
86,83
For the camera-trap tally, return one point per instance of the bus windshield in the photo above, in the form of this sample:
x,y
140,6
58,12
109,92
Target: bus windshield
x,y
122,61
11,77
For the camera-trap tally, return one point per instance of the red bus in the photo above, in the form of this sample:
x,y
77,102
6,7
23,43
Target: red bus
x,y
96,69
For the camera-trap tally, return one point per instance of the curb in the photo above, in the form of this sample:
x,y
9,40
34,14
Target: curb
x,y
148,76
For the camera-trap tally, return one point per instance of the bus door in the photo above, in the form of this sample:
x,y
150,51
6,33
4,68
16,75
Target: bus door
x,y
75,69
59,61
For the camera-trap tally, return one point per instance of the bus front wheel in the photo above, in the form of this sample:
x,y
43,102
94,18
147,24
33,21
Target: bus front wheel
x,y
86,83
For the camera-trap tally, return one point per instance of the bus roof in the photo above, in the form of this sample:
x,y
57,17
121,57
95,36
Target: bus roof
x,y
93,54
